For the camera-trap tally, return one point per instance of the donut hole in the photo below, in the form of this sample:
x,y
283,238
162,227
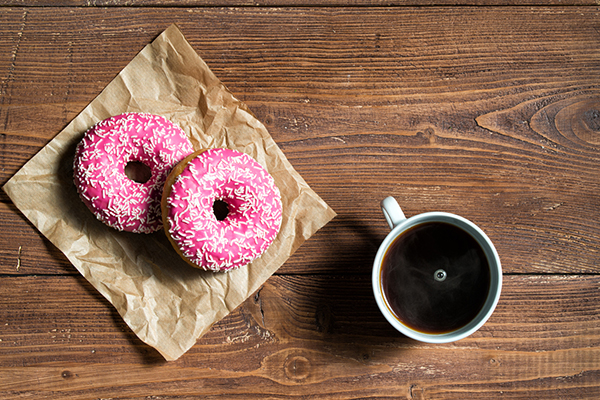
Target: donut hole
x,y
221,209
138,172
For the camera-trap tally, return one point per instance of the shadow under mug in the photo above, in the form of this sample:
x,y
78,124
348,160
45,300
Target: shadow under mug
x,y
399,225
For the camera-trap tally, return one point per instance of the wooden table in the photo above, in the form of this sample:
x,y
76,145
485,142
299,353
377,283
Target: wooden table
x,y
488,109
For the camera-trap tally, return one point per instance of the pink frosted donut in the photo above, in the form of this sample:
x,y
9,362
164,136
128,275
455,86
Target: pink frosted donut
x,y
102,156
253,215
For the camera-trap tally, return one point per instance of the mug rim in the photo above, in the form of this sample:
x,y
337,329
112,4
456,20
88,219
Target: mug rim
x,y
495,277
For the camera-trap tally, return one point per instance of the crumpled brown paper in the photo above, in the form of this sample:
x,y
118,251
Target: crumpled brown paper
x,y
167,303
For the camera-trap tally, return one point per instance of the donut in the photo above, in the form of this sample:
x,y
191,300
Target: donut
x,y
251,220
101,159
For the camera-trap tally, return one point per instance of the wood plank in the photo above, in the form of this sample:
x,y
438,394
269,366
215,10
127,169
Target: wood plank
x,y
378,98
319,336
288,3
24,251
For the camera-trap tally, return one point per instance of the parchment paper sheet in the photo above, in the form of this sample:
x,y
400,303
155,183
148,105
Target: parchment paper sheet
x,y
167,303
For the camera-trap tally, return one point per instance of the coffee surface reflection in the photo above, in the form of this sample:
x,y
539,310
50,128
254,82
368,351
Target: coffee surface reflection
x,y
435,277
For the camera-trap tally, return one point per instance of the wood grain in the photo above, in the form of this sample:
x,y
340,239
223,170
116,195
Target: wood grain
x,y
24,251
435,106
488,112
318,336
287,3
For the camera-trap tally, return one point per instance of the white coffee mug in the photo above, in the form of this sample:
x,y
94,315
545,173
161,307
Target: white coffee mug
x,y
400,225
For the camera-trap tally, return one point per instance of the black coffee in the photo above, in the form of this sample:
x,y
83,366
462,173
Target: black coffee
x,y
435,277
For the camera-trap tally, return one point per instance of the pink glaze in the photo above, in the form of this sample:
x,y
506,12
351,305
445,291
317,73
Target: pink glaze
x,y
99,168
254,210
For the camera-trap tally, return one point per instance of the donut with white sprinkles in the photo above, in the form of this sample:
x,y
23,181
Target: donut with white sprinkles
x,y
101,158
243,231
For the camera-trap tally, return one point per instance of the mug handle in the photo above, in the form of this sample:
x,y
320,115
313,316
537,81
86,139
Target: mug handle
x,y
392,212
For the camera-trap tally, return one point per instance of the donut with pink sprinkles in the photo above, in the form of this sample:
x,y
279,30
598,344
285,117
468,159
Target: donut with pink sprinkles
x,y
239,235
101,160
